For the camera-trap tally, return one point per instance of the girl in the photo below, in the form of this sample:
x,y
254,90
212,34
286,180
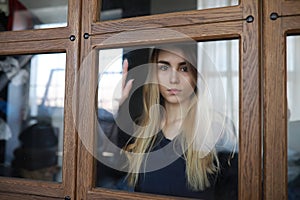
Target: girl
x,y
172,151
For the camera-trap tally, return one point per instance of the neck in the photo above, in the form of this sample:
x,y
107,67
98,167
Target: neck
x,y
175,112
174,116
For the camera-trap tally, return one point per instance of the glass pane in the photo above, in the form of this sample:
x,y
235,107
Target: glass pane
x,y
31,123
293,99
117,9
181,107
30,14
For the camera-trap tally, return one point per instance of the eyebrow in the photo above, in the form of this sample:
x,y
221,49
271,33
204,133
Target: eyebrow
x,y
163,62
167,63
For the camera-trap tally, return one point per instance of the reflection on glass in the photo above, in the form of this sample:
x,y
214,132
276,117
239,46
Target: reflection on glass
x,y
293,113
31,116
30,14
117,9
175,87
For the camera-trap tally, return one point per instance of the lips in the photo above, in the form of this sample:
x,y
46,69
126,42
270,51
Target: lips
x,y
173,91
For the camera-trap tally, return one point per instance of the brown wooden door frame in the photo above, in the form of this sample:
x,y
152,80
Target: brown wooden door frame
x,y
285,20
50,41
243,22
219,23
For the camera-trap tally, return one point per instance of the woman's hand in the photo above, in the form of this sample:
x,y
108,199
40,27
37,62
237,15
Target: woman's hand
x,y
126,87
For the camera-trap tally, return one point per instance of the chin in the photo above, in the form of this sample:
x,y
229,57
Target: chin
x,y
173,100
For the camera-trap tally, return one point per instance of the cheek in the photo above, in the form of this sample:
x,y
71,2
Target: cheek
x,y
161,78
189,86
160,87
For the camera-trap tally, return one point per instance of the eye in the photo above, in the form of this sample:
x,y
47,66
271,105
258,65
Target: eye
x,y
163,67
184,69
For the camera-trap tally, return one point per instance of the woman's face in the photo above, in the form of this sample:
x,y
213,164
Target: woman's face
x,y
176,77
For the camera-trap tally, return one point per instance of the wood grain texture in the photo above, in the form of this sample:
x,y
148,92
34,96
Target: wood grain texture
x,y
275,144
32,47
70,129
35,35
22,186
202,25
86,126
275,95
291,25
86,117
49,41
212,31
72,28
71,102
290,8
275,127
67,187
169,20
250,106
10,196
26,186
115,195
210,24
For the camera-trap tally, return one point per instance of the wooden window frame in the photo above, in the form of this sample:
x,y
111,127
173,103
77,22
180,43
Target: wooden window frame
x,y
54,40
262,93
212,24
275,144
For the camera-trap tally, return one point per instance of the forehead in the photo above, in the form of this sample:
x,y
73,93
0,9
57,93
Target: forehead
x,y
171,55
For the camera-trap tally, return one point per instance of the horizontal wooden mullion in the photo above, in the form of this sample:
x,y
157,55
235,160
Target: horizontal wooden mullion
x,y
24,186
290,8
118,194
291,25
169,20
35,35
5,196
226,30
31,47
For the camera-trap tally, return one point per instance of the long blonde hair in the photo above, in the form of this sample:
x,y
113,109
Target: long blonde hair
x,y
200,160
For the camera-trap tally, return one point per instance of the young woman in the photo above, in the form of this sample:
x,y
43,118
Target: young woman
x,y
172,151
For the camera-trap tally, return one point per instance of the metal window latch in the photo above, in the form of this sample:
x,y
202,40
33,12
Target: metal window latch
x,y
72,38
250,19
67,198
86,35
274,16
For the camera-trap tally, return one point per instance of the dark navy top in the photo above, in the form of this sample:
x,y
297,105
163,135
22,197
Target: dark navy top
x,y
171,179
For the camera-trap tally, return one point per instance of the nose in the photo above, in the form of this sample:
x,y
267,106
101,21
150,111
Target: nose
x,y
174,78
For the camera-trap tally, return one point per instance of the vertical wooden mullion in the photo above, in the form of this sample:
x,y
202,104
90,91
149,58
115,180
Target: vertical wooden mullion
x,y
250,156
275,126
86,119
250,186
70,113
40,41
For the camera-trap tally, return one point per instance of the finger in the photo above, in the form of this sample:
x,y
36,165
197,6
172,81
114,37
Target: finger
x,y
124,72
128,87
126,90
